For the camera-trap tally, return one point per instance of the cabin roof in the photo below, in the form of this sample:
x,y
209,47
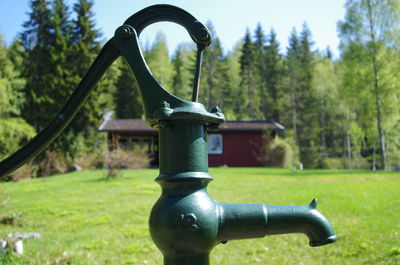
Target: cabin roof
x,y
137,125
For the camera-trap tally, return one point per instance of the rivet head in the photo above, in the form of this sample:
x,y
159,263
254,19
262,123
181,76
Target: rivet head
x,y
124,32
202,34
187,222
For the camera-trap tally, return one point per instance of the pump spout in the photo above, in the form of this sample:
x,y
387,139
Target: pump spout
x,y
300,219
239,221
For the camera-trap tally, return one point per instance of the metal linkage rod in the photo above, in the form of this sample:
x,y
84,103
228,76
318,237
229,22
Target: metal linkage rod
x,y
196,83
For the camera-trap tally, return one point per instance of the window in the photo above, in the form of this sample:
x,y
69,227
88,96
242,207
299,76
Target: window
x,y
215,144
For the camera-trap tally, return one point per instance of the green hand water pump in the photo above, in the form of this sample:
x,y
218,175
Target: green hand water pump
x,y
185,222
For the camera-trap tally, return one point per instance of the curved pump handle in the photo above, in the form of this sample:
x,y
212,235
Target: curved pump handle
x,y
126,40
197,31
158,13
110,52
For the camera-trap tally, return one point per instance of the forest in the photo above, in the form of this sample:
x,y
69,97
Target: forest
x,y
339,111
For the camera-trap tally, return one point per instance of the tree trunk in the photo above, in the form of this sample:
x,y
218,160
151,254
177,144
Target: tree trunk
x,y
348,150
378,102
294,113
323,129
374,156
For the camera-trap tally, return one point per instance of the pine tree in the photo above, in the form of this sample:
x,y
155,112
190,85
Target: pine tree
x,y
273,79
86,46
128,104
303,103
249,107
158,60
293,79
36,40
308,104
181,84
85,36
209,85
215,80
60,52
232,89
260,76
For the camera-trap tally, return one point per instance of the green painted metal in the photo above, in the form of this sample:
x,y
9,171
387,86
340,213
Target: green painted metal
x,y
185,222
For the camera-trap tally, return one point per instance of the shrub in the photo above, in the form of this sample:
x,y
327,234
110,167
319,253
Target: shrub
x,y
52,163
126,159
345,163
336,163
29,170
280,152
91,160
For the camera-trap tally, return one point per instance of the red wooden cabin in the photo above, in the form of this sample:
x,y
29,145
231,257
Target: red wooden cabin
x,y
235,143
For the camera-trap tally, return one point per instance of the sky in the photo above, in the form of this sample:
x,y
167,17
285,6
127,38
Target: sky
x,y
230,19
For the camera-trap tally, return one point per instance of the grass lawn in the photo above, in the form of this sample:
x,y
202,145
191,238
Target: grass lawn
x,y
85,219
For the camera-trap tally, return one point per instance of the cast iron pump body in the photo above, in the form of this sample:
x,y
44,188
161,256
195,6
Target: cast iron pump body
x,y
185,222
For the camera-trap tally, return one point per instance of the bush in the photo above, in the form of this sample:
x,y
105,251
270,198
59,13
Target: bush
x,y
29,170
280,152
91,160
126,159
51,163
336,163
345,163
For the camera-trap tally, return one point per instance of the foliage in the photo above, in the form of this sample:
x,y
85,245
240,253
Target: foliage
x,y
51,163
274,70
249,104
128,104
14,130
91,160
119,158
181,81
83,218
342,108
215,86
278,152
368,38
158,61
27,171
86,45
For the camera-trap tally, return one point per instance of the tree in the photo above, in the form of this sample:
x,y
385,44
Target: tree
x,y
303,101
260,75
249,108
215,82
128,104
331,107
15,130
181,84
292,66
368,37
86,44
157,59
273,79
36,40
232,90
60,77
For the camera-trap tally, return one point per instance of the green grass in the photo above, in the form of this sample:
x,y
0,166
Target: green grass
x,y
85,219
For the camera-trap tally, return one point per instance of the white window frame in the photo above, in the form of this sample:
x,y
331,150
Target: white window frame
x,y
217,140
